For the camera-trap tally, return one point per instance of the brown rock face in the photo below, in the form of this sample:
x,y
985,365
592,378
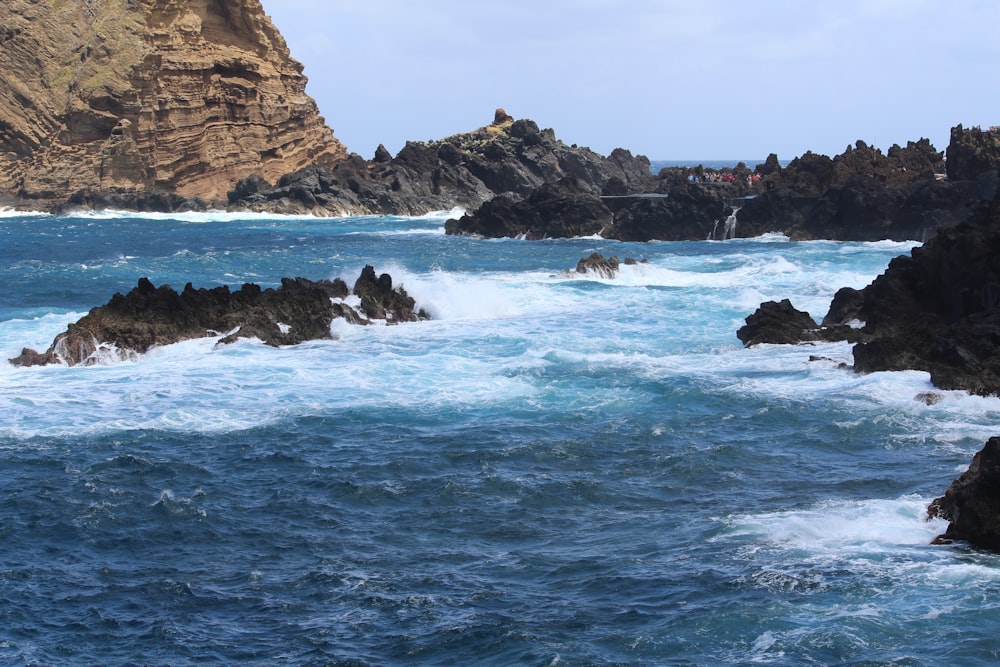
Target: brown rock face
x,y
187,96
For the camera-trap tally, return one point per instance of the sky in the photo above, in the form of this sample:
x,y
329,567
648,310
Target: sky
x,y
669,79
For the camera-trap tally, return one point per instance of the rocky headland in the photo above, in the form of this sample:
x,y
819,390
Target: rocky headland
x,y
299,310
164,106
935,310
150,105
167,105
862,195
508,156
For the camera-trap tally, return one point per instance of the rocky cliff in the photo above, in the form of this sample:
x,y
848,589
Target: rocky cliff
x,y
936,309
859,195
971,504
182,96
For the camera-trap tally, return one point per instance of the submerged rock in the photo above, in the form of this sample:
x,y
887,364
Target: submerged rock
x,y
297,311
972,502
599,265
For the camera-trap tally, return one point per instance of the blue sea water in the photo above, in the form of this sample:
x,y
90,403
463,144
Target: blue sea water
x,y
656,165
555,470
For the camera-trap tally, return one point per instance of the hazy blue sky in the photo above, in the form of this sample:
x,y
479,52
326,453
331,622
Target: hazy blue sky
x,y
699,79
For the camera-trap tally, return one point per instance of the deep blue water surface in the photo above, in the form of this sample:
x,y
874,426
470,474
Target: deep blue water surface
x,y
555,470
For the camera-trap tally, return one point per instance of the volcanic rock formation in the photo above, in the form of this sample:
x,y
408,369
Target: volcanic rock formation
x,y
860,195
297,311
865,195
972,503
508,156
181,96
936,310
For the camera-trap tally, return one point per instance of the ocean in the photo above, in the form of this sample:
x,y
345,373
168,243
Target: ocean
x,y
555,470
656,165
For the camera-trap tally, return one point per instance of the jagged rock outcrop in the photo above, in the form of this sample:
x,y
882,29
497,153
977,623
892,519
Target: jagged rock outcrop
x,y
297,311
936,310
971,152
971,504
865,195
508,156
599,265
688,213
781,323
121,96
565,208
860,195
777,322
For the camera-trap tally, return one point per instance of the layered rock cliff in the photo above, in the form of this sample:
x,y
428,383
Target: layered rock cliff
x,y
182,96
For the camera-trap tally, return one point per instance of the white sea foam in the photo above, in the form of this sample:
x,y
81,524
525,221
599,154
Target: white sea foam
x,y
219,215
452,296
7,212
877,541
36,333
491,336
866,526
199,386
427,231
452,214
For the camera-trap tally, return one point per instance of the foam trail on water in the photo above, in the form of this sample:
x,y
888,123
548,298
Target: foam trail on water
x,y
884,544
7,212
865,526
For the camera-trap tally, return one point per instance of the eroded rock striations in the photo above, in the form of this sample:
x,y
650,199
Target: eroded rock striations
x,y
297,311
125,97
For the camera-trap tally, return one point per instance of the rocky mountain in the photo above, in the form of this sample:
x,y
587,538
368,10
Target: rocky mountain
x,y
179,96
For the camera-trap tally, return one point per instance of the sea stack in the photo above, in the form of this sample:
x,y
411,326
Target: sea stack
x,y
175,96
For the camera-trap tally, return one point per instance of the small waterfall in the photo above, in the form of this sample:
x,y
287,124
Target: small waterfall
x,y
729,231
